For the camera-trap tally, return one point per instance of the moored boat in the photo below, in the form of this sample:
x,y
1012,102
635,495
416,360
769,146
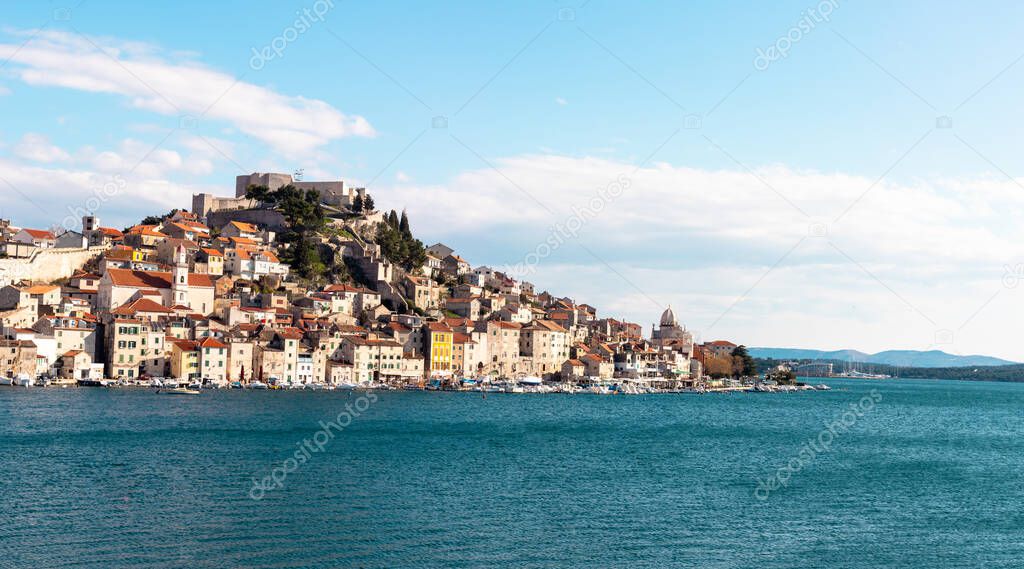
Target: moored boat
x,y
178,391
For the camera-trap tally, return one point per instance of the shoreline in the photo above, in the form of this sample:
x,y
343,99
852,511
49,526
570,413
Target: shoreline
x,y
552,389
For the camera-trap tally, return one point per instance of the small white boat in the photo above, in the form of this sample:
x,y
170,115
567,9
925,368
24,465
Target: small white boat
x,y
179,391
258,385
6,381
347,386
24,380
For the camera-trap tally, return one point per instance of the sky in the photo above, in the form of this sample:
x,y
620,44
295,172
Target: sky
x,y
801,174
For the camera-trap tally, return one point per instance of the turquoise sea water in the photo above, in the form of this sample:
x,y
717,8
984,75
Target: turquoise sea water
x,y
931,476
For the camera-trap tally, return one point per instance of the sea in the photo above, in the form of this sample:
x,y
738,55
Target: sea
x,y
871,474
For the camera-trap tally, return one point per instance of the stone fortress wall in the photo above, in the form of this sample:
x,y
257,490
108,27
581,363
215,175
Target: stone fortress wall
x,y
47,265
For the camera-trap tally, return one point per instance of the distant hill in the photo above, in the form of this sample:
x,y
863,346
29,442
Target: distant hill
x,y
902,358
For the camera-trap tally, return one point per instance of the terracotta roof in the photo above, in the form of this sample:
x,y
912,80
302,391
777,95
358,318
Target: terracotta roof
x,y
361,341
186,345
40,289
438,327
347,288
119,254
246,254
145,230
39,233
549,325
140,305
576,363
192,228
245,227
508,325
460,300
460,338
211,342
110,231
83,275
399,327
154,279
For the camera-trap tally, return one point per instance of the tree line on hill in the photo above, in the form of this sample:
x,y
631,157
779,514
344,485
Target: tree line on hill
x,y
1013,373
397,243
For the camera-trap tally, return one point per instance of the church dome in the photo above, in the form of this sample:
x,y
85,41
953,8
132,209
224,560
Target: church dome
x,y
668,318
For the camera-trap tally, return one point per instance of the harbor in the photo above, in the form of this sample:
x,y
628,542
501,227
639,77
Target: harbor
x,y
528,385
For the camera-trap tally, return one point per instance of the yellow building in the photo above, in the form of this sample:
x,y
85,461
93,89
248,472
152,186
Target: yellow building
x,y
438,338
185,360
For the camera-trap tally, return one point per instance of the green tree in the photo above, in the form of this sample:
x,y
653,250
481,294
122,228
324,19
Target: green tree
x,y
258,193
406,252
306,219
368,203
393,219
718,366
743,363
357,204
403,226
157,220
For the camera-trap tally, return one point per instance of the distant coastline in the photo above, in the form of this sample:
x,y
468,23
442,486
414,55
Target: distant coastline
x,y
1002,373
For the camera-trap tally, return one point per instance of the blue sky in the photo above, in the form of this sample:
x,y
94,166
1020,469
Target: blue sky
x,y
739,223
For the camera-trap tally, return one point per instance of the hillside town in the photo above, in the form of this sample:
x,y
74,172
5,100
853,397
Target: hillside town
x,y
290,283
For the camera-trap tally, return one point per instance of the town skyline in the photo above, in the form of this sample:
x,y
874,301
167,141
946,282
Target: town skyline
x,y
893,233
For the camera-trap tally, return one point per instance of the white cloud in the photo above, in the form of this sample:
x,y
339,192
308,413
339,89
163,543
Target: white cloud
x,y
37,148
906,260
45,195
401,176
150,80
4,90
561,101
947,220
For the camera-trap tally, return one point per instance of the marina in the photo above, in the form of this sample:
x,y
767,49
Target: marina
x,y
527,385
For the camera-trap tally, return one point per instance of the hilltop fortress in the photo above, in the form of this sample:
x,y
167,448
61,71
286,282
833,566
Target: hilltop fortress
x,y
332,193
